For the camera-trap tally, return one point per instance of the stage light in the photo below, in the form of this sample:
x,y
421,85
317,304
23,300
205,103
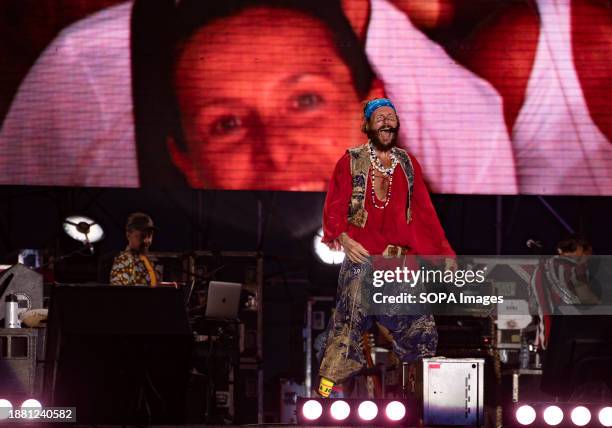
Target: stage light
x,y
83,229
5,409
605,416
525,415
553,415
31,404
580,416
324,253
340,410
312,410
335,412
395,411
367,410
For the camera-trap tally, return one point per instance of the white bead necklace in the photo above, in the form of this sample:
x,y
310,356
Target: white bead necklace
x,y
378,164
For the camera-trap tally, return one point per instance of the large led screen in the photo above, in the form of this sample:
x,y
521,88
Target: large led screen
x,y
268,95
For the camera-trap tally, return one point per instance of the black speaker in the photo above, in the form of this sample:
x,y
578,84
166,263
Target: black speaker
x,y
118,354
18,363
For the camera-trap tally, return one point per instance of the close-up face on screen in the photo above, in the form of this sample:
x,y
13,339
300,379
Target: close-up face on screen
x,y
493,98
265,103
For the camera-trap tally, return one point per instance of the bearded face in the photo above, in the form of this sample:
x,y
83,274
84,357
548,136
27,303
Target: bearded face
x,y
383,128
384,139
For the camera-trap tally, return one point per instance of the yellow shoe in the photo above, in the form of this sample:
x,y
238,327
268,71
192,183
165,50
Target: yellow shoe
x,y
325,387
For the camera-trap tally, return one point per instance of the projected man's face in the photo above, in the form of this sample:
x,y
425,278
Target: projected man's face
x,y
265,102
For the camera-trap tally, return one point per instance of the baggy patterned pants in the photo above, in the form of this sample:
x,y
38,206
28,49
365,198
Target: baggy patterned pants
x,y
414,336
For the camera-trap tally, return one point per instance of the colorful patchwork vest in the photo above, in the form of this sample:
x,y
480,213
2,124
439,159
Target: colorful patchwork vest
x,y
360,167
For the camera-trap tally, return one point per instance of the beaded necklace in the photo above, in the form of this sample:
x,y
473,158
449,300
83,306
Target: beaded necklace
x,y
377,164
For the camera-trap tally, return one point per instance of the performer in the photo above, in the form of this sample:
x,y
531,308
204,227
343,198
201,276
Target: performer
x,y
564,279
132,266
567,274
389,213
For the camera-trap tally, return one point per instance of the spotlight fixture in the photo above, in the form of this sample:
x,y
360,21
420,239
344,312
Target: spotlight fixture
x,y
605,416
324,253
553,415
354,412
395,411
525,415
563,414
367,410
31,404
5,409
580,416
83,229
312,410
340,410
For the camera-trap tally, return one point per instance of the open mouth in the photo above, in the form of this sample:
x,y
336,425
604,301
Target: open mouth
x,y
386,132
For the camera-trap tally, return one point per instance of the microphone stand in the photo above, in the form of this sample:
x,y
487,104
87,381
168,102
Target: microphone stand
x,y
88,246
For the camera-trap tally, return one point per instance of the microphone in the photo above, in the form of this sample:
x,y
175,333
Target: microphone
x,y
532,244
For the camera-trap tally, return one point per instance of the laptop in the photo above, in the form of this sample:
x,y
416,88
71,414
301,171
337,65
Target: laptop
x,y
223,300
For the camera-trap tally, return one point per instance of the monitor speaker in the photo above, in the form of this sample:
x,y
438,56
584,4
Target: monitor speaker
x,y
18,363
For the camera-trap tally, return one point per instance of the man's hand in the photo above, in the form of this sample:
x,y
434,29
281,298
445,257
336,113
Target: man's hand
x,y
353,249
335,245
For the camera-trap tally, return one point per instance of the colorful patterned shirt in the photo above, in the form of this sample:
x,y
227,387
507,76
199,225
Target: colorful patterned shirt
x,y
129,269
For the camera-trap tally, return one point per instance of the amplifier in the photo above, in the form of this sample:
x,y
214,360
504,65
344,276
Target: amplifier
x,y
453,391
18,362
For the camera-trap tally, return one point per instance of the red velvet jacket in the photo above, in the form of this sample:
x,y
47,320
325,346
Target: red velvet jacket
x,y
423,234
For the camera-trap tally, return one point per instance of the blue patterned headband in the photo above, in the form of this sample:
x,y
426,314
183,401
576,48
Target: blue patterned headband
x,y
371,106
